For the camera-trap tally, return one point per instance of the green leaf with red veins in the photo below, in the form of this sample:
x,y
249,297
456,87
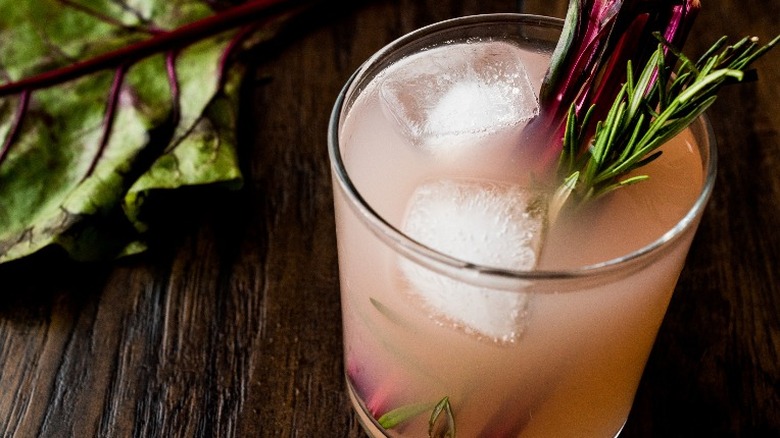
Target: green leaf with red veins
x,y
86,138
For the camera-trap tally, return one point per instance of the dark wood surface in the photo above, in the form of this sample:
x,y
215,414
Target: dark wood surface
x,y
231,325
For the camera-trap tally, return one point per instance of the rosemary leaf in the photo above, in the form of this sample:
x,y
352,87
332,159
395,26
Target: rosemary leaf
x,y
446,430
402,414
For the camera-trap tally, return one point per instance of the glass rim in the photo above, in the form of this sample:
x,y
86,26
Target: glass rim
x,y
421,252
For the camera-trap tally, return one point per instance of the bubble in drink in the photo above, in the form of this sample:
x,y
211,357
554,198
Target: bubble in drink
x,y
485,223
452,95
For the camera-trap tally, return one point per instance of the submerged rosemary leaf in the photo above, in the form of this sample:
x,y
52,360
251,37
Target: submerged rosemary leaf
x,y
400,415
445,428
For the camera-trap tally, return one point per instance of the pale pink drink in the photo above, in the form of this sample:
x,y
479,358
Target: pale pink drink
x,y
454,282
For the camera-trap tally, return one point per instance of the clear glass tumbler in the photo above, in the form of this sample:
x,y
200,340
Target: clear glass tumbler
x,y
436,341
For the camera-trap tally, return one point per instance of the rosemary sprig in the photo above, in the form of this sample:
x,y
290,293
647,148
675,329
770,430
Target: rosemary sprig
x,y
647,112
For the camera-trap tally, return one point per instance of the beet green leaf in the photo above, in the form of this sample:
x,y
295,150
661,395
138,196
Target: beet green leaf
x,y
81,153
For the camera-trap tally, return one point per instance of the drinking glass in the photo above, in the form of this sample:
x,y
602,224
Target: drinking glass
x,y
578,338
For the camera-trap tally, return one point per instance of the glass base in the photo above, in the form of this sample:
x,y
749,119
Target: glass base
x,y
372,427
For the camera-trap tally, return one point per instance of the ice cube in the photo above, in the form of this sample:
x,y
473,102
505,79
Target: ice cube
x,y
485,223
457,93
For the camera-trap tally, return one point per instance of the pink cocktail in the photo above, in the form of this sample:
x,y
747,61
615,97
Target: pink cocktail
x,y
466,304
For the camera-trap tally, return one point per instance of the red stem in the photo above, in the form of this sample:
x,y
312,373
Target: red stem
x,y
173,81
108,117
234,43
16,127
162,42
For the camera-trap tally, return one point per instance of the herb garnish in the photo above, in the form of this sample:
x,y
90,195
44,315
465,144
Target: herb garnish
x,y
647,112
612,96
588,64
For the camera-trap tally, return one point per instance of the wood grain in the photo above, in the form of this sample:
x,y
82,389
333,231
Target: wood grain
x,y
231,326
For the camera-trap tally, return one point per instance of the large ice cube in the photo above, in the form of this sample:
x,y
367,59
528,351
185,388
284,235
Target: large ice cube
x,y
454,94
485,223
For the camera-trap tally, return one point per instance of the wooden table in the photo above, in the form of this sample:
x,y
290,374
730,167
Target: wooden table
x,y
231,325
